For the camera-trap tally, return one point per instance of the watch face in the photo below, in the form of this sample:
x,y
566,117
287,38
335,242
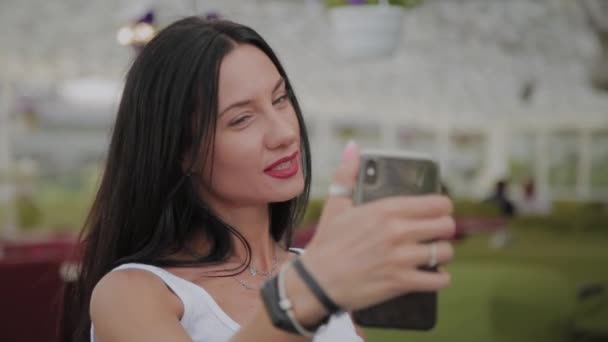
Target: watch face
x,y
272,302
280,310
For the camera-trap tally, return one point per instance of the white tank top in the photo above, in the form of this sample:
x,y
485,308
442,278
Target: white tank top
x,y
204,320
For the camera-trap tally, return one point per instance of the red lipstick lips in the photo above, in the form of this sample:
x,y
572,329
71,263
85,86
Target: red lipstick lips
x,y
284,168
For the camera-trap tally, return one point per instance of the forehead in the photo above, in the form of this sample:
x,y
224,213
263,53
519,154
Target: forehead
x,y
245,72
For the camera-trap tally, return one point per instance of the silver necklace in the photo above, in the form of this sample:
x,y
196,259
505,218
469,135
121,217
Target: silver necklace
x,y
247,285
254,272
267,274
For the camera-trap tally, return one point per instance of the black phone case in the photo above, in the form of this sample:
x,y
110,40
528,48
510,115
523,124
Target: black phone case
x,y
398,175
414,311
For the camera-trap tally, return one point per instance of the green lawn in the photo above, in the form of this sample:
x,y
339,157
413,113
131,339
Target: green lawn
x,y
526,292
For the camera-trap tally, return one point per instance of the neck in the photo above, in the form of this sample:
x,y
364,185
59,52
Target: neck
x,y
253,223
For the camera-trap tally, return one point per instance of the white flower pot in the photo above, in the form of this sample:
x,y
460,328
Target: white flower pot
x,y
365,31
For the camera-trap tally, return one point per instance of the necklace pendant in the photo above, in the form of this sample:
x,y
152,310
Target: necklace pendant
x,y
253,271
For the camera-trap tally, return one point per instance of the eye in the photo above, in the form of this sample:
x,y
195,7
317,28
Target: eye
x,y
281,100
239,121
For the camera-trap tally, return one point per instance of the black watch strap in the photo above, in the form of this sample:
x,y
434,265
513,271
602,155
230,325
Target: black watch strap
x,y
316,289
270,297
278,316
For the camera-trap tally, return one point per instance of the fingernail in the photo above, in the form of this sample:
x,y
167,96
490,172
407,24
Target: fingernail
x,y
350,151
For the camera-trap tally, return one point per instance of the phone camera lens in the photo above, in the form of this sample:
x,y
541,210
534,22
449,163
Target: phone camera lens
x,y
371,172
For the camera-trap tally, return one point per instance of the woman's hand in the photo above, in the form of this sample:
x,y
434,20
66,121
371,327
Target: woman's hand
x,y
367,254
364,255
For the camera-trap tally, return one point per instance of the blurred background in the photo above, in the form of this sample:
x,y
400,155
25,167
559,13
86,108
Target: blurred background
x,y
509,96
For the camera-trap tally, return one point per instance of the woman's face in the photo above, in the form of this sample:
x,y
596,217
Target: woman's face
x,y
256,158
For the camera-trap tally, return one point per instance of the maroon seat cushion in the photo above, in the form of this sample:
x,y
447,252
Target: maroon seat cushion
x,y
31,287
30,293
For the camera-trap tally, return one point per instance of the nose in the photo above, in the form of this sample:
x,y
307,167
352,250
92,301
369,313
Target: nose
x,y
283,129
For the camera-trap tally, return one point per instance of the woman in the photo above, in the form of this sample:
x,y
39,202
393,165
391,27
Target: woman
x,y
207,173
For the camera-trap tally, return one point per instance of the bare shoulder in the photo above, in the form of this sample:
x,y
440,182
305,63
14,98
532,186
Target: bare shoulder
x,y
133,287
125,302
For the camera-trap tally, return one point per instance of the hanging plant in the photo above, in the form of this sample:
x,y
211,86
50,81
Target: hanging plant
x,y
366,29
403,3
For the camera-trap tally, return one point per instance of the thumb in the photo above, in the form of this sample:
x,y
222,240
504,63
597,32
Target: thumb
x,y
345,176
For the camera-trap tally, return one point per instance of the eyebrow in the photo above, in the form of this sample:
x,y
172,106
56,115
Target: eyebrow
x,y
244,103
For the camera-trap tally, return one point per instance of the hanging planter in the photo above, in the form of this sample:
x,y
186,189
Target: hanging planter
x,y
366,29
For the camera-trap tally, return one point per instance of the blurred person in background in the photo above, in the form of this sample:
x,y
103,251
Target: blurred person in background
x,y
506,207
207,173
500,199
531,201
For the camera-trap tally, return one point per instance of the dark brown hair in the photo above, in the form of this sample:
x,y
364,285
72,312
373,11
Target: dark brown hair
x,y
147,207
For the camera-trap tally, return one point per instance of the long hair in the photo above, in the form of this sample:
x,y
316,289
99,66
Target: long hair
x,y
147,206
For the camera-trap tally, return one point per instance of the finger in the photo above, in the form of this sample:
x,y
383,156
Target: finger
x,y
419,206
345,176
421,254
423,281
427,229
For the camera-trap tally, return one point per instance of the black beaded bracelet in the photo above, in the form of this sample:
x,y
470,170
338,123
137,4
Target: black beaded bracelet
x,y
315,288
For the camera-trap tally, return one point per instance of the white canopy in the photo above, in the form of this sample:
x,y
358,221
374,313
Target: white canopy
x,y
459,60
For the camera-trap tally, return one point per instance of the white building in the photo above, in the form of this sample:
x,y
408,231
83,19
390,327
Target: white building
x,y
454,88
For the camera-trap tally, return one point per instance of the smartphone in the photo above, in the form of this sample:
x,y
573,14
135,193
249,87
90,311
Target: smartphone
x,y
386,173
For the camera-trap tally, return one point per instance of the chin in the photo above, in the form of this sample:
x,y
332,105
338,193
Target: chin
x,y
288,192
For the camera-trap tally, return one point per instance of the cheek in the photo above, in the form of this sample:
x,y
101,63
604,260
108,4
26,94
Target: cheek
x,y
294,121
237,157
